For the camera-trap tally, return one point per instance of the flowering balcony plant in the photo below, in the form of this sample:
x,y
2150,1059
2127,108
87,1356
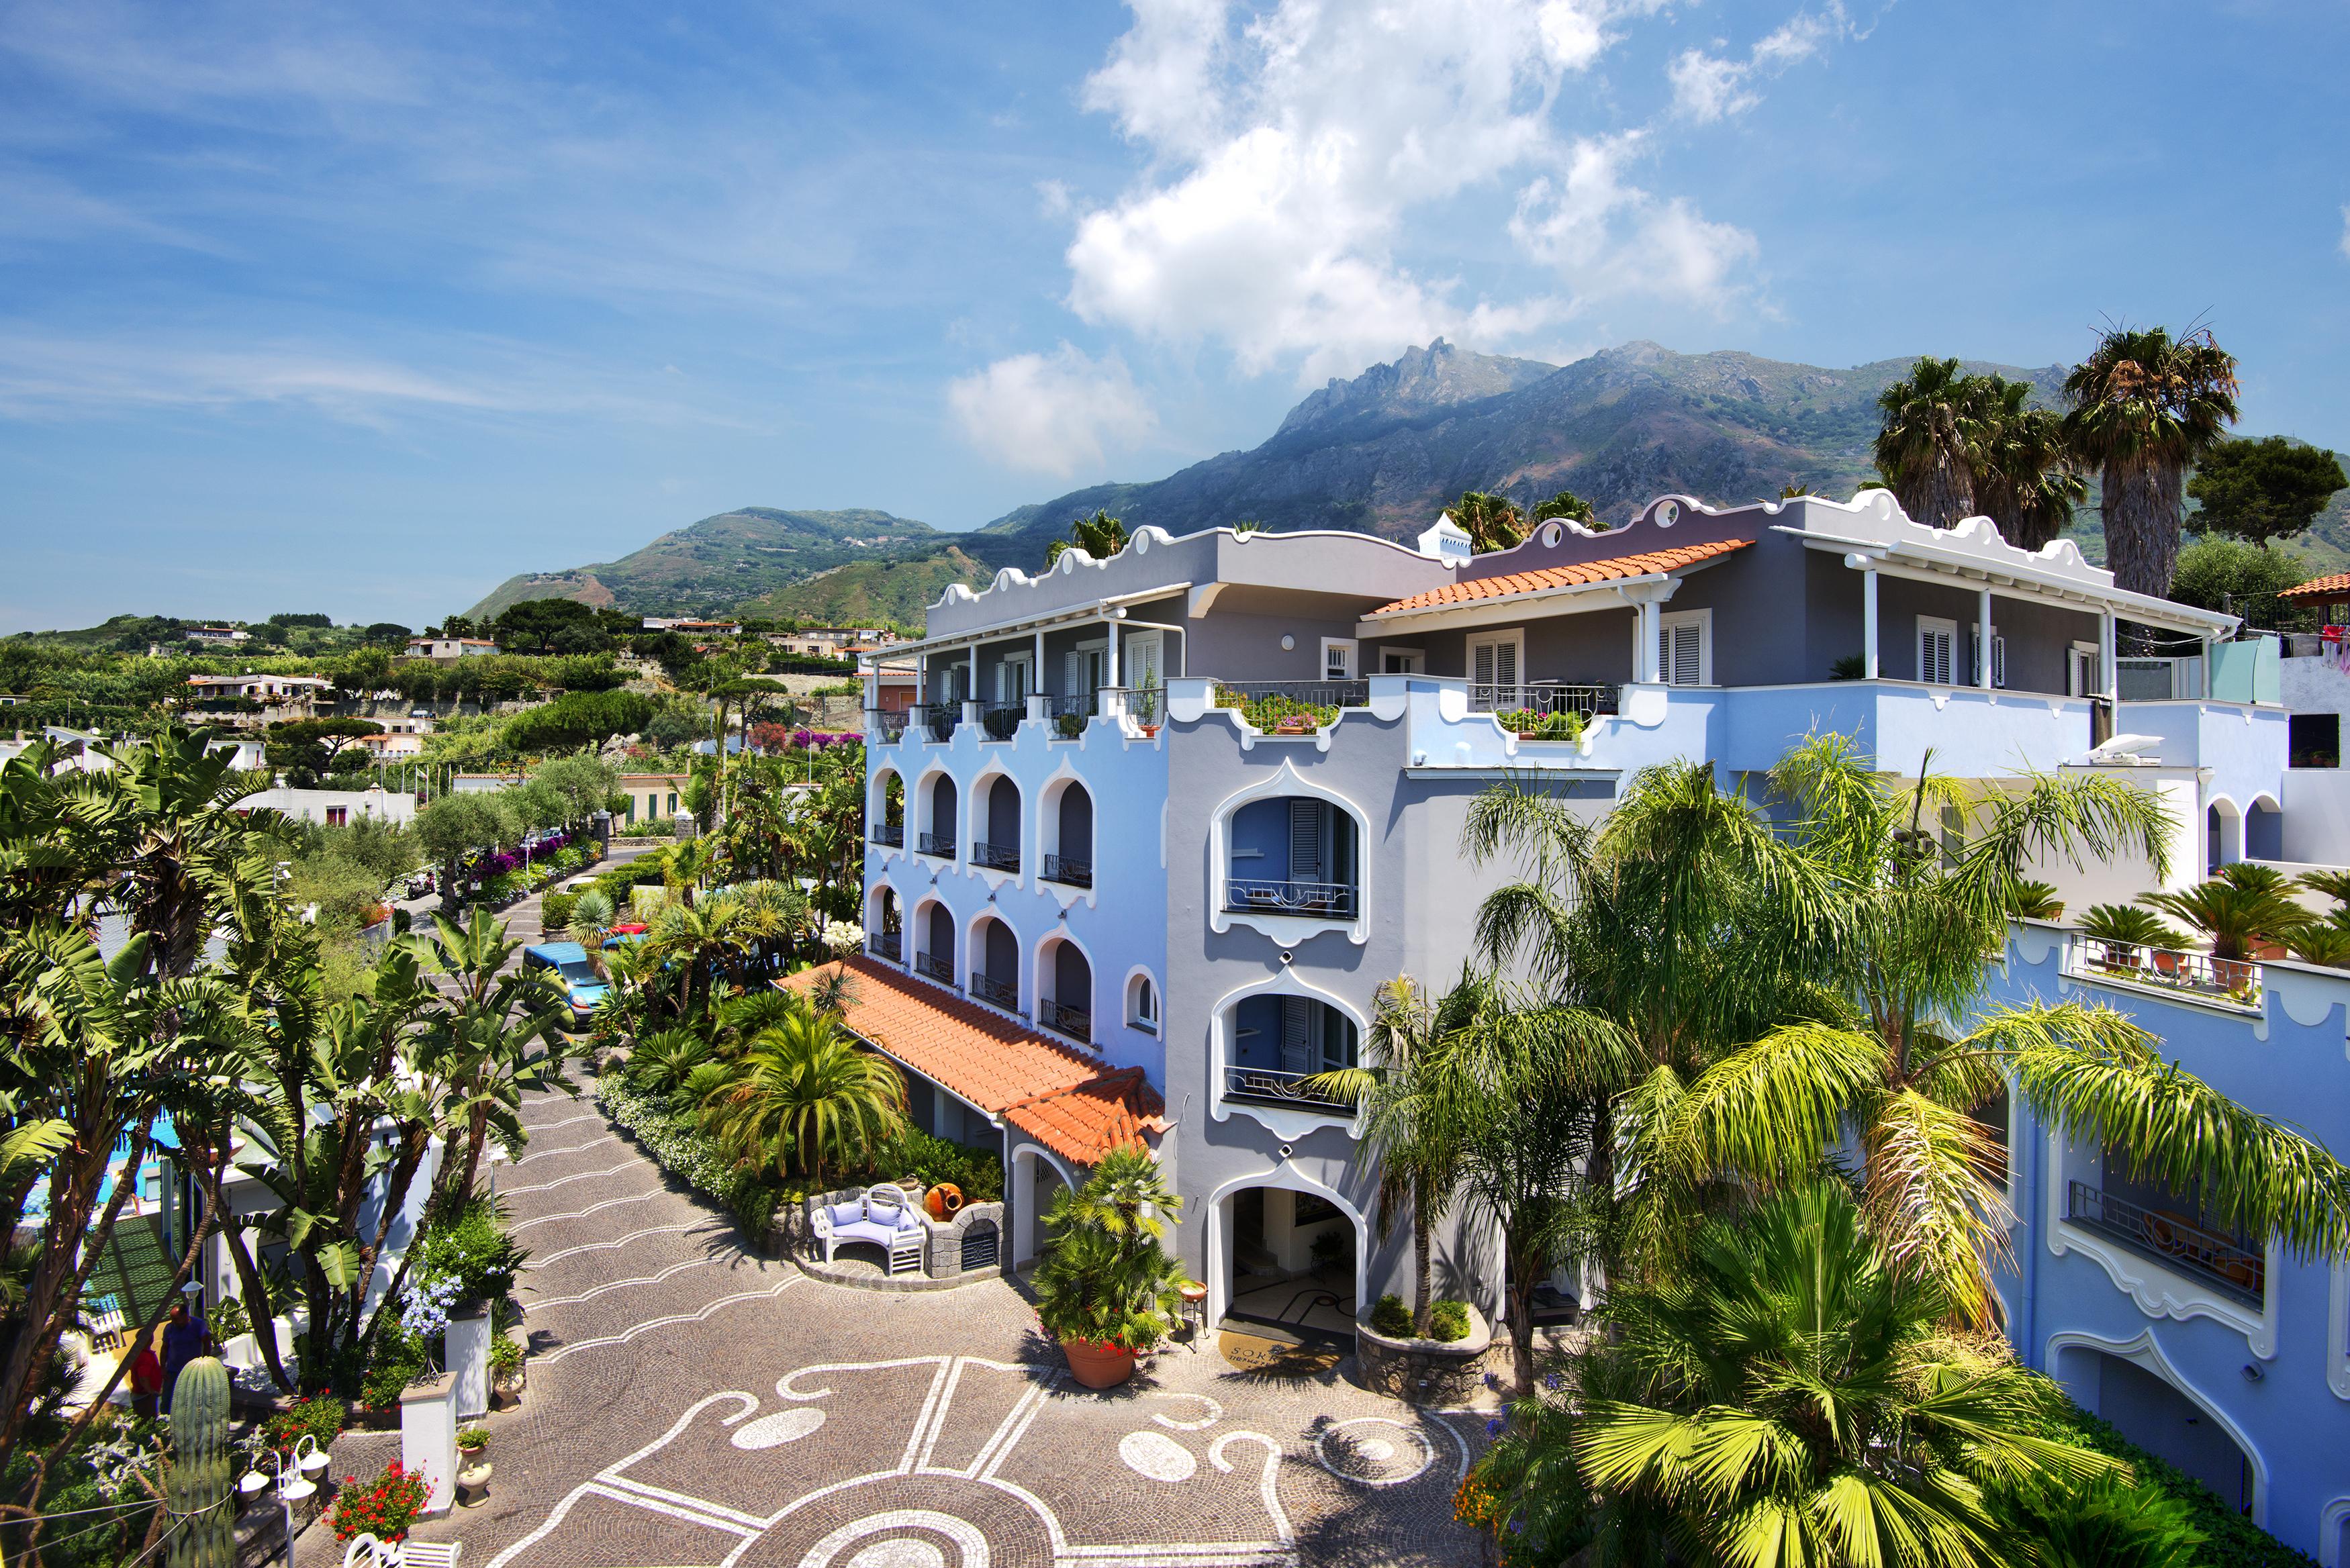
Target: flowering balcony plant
x,y
383,1508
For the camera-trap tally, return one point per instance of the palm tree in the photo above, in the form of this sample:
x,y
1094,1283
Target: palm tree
x,y
1418,1148
1100,536
1106,1278
2130,926
1926,447
805,1094
2023,474
1566,504
2144,407
1791,1399
1492,522
2233,917
1925,921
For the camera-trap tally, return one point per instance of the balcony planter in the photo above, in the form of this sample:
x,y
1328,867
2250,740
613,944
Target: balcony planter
x,y
1099,1364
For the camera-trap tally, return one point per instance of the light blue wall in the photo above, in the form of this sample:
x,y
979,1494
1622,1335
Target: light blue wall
x,y
1118,924
2286,1060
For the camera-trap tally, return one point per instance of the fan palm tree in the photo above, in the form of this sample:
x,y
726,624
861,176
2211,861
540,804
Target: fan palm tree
x,y
2144,407
1927,921
1566,504
1926,447
1791,1399
805,1094
2023,474
1492,522
1100,536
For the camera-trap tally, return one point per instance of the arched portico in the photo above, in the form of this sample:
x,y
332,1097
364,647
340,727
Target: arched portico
x,y
1036,1174
2132,1384
2223,835
1221,1239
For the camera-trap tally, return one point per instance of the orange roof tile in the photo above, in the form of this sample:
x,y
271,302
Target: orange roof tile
x,y
2336,586
988,1059
1610,570
1087,1121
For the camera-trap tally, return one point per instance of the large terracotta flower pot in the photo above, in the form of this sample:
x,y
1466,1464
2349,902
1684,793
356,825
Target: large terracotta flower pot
x,y
944,1201
1099,1366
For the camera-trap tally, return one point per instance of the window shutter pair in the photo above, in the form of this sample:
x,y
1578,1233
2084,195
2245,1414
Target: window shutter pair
x,y
1306,819
1680,652
1936,654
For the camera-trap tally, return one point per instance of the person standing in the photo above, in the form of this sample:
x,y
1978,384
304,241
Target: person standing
x,y
183,1341
146,1380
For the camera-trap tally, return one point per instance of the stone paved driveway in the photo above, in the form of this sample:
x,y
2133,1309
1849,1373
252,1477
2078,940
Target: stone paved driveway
x,y
691,1403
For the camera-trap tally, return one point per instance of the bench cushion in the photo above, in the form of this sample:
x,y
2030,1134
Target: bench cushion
x,y
847,1214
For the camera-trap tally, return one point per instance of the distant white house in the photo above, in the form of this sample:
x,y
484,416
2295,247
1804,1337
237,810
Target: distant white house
x,y
227,634
690,627
447,649
334,807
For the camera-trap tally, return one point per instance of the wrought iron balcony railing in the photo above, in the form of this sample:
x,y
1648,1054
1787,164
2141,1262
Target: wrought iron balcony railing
x,y
1543,698
934,968
938,720
1076,1022
1003,994
886,726
1306,693
939,843
2173,1238
1067,717
892,833
1069,871
996,857
1001,721
884,944
1270,1084
2236,982
1266,896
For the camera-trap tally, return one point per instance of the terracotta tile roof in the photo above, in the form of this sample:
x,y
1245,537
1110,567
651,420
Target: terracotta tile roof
x,y
988,1059
2336,586
1617,566
1084,1123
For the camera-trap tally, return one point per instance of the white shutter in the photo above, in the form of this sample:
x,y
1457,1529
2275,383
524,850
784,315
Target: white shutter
x,y
1073,675
1482,673
1305,841
1936,650
1296,1034
1680,653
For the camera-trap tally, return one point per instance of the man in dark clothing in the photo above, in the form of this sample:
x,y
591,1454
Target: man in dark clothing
x,y
183,1341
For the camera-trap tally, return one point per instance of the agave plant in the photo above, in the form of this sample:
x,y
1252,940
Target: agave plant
x,y
2035,902
2234,919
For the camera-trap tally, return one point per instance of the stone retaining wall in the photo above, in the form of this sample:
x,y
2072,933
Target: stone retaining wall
x,y
1427,1372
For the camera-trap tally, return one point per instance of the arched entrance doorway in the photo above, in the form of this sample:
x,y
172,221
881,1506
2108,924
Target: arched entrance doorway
x,y
2153,1412
1286,1252
1037,1177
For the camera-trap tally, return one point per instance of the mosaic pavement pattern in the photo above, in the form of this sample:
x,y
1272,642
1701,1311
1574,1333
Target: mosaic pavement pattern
x,y
693,1406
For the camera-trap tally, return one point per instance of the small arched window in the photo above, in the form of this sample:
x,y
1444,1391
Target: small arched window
x,y
1142,1003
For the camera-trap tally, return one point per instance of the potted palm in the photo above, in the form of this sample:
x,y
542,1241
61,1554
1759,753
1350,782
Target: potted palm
x,y
1107,1290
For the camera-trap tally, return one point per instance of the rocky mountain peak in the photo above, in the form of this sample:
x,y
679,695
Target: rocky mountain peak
x,y
1418,381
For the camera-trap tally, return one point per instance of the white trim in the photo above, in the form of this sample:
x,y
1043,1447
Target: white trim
x,y
924,819
975,957
1061,933
1157,1028
2159,1291
1514,636
1286,1125
1023,1203
1701,619
1048,793
1353,657
2072,681
1288,1178
877,810
2337,1331
2330,1521
928,896
1936,625
982,783
2143,1351
1287,930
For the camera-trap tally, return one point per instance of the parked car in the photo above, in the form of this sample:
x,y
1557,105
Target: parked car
x,y
568,963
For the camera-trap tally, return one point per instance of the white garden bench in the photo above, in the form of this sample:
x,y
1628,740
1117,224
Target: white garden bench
x,y
366,1551
884,1216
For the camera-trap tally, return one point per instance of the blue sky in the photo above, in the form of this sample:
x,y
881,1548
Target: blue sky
x,y
363,310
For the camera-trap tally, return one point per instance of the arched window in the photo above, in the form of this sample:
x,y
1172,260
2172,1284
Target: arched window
x,y
939,832
999,822
1142,1004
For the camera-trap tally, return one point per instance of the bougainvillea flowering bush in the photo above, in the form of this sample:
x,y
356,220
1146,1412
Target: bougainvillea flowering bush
x,y
383,1508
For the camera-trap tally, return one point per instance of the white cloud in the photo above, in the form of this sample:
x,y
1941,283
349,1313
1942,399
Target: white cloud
x,y
1054,413
1707,88
1297,152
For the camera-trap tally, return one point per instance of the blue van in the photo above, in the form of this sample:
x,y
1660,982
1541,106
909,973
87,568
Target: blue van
x,y
567,964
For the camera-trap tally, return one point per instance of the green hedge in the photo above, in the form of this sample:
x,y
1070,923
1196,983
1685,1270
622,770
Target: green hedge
x,y
681,1148
555,911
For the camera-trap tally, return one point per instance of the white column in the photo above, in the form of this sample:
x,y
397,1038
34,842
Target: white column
x,y
428,1439
1868,621
1651,621
923,678
1109,659
2108,677
973,694
1982,637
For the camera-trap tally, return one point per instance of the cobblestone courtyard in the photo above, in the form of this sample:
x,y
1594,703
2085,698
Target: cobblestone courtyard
x,y
690,1404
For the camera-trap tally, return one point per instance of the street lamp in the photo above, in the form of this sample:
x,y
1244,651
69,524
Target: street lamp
x,y
292,1477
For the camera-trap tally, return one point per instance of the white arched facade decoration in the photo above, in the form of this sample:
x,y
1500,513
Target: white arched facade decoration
x,y
1045,830
1126,999
2143,1351
875,923
1286,930
919,939
974,949
1288,1177
2229,820
2332,1525
974,805
876,808
1044,978
1285,1124
920,800
1027,1231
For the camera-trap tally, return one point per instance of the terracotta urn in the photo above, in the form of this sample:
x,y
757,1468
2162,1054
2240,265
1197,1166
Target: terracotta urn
x,y
945,1200
1098,1364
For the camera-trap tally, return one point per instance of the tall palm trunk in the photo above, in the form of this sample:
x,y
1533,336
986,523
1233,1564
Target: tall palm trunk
x,y
1946,490
1423,1260
2142,506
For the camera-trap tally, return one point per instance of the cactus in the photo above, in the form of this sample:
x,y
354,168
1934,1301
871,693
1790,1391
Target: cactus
x,y
204,1535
